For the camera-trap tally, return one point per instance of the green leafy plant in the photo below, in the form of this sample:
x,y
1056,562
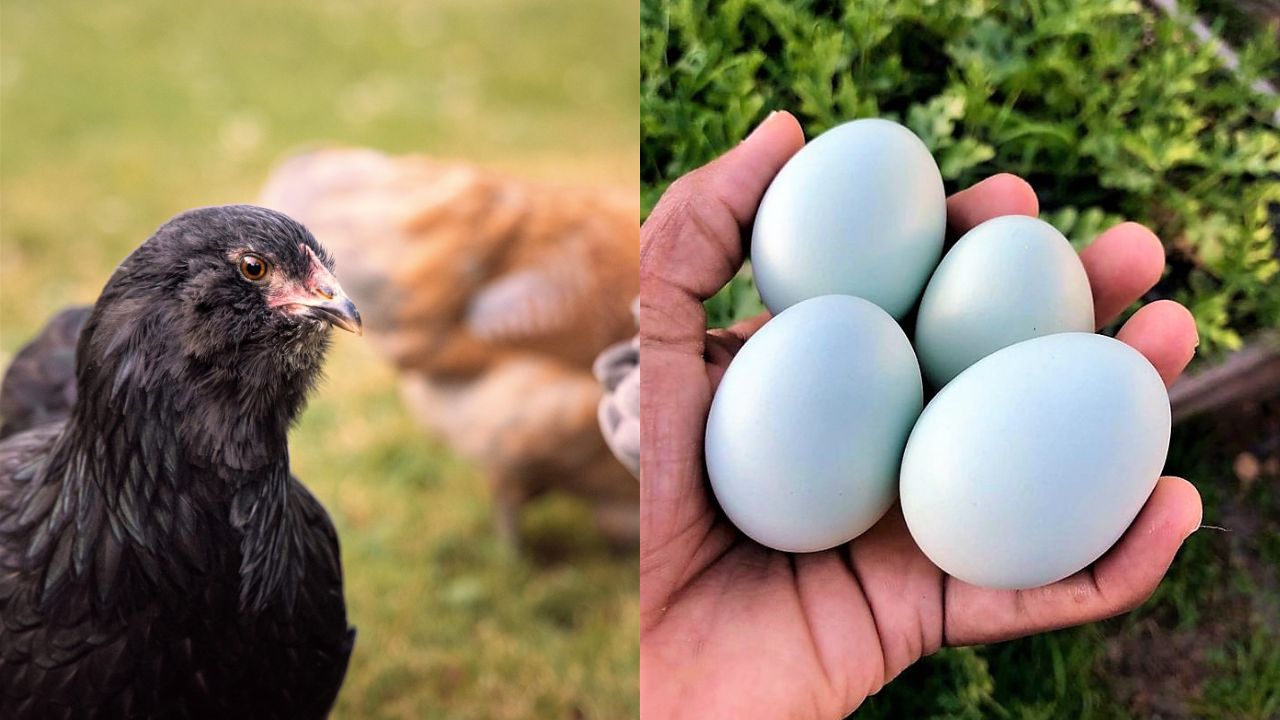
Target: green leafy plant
x,y
1110,110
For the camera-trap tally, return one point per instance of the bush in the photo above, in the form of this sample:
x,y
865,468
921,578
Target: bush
x,y
1110,110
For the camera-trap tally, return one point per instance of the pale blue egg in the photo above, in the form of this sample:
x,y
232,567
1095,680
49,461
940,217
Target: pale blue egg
x,y
858,211
807,428
1009,279
1031,463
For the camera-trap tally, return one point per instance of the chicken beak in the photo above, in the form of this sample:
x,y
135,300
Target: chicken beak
x,y
325,300
337,310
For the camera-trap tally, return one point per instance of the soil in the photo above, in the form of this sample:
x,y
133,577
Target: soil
x,y
1158,670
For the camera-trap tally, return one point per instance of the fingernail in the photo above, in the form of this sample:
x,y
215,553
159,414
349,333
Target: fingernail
x,y
1196,526
765,121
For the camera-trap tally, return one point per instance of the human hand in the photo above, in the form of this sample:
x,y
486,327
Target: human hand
x,y
733,629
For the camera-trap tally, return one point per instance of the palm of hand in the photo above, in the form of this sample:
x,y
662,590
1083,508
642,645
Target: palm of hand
x,y
733,629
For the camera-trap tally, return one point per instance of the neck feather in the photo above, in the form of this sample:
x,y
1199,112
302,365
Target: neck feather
x,y
168,480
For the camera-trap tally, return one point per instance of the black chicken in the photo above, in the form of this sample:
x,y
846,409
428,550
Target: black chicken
x,y
157,558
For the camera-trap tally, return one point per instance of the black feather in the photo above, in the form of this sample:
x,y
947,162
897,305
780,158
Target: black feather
x,y
40,385
157,557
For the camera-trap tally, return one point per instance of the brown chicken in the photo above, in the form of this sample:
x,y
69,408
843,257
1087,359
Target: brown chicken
x,y
492,296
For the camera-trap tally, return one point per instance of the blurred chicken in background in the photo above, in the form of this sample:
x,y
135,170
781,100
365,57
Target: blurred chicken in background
x,y
492,296
618,369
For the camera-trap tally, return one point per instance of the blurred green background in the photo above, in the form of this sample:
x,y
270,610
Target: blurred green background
x,y
115,116
1111,111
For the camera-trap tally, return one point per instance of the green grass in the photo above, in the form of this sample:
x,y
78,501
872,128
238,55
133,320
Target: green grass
x,y
115,116
1111,112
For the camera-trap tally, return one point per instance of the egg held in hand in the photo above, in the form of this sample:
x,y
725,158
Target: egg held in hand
x,y
1031,464
860,210
1009,279
807,428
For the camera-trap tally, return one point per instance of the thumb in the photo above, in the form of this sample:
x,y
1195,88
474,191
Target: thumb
x,y
691,245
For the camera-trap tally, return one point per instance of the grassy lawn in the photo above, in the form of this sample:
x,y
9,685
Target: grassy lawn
x,y
115,116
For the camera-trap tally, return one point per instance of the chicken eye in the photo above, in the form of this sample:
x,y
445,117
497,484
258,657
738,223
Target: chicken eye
x,y
253,267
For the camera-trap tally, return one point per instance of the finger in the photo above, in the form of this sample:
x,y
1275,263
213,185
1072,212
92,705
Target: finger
x,y
1164,332
1002,194
692,243
1123,263
1118,582
724,344
902,588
